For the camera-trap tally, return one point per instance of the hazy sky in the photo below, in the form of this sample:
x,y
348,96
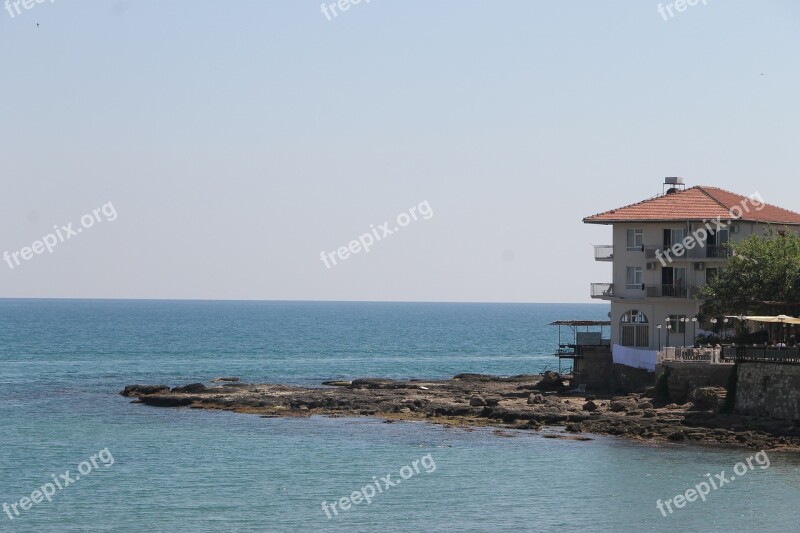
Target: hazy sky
x,y
238,140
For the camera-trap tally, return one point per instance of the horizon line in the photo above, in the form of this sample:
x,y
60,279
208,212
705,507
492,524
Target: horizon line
x,y
294,301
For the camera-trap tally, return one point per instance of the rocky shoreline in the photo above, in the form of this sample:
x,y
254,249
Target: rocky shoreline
x,y
528,402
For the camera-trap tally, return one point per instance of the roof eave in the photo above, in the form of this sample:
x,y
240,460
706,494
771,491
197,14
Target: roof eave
x,y
672,220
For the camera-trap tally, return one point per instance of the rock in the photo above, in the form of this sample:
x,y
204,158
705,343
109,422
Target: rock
x,y
337,383
550,377
477,401
194,387
135,390
635,412
645,405
225,380
590,406
492,402
474,377
677,436
573,428
160,400
551,381
591,397
536,399
373,383
649,413
618,406
229,386
708,397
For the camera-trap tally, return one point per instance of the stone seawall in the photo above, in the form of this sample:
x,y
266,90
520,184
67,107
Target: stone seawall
x,y
684,377
768,390
596,370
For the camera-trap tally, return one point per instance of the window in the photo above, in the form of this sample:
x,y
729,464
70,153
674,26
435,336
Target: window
x,y
635,240
676,325
717,244
680,277
711,273
674,282
674,236
635,277
634,329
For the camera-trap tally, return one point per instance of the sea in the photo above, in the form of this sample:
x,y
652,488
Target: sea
x,y
76,456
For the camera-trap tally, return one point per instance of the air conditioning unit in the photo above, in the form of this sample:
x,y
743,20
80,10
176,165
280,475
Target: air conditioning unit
x,y
699,266
651,265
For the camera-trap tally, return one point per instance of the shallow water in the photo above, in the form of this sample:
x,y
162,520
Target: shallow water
x,y
62,364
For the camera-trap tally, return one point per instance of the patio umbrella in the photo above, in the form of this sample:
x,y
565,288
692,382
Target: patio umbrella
x,y
782,319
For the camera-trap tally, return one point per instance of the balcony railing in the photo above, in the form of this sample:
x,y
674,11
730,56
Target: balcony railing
x,y
714,251
602,290
604,252
698,355
650,251
761,353
675,290
711,251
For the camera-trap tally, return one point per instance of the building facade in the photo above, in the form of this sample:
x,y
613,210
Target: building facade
x,y
665,249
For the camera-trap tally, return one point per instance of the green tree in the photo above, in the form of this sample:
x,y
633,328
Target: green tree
x,y
762,269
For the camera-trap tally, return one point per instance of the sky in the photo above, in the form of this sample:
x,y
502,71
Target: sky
x,y
229,146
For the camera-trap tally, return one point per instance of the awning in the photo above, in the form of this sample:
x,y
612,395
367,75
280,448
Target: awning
x,y
781,319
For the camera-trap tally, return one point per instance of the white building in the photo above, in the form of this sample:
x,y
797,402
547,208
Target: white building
x,y
654,278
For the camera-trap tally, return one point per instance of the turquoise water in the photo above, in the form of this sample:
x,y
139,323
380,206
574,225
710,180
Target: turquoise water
x,y
62,364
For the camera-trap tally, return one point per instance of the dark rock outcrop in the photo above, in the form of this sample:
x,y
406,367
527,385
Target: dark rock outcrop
x,y
140,390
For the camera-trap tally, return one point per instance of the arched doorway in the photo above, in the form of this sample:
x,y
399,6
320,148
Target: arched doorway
x,y
634,329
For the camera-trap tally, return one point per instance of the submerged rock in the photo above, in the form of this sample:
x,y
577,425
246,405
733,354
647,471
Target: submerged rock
x,y
193,388
135,390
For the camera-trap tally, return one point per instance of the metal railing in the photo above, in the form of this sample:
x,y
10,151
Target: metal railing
x,y
711,251
602,290
761,353
698,355
650,251
714,251
674,290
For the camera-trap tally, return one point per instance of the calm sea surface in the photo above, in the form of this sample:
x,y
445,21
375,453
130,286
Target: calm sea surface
x,y
63,362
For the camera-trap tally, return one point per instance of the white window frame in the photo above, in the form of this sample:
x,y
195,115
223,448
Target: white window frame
x,y
638,277
638,239
675,324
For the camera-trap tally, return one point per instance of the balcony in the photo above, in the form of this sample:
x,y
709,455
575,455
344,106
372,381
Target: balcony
x,y
697,253
675,290
604,252
714,251
603,291
650,252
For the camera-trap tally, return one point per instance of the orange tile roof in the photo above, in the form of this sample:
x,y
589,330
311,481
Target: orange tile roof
x,y
696,204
